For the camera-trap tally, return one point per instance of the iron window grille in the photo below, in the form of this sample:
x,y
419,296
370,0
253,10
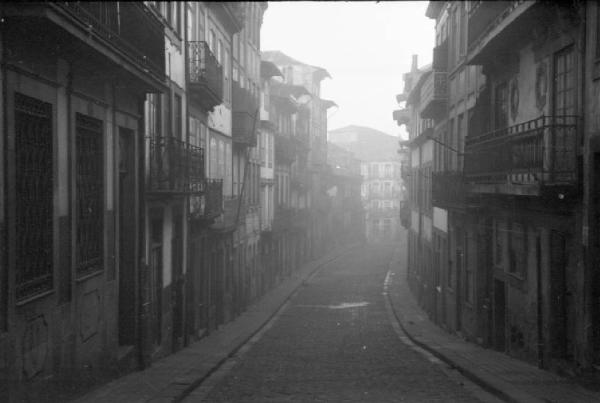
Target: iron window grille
x,y
34,196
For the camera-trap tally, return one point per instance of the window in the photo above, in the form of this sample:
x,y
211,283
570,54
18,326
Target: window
x,y
498,243
564,91
469,277
501,106
192,33
228,168
374,170
220,52
221,159
175,20
177,117
89,194
212,41
517,250
213,169
34,192
227,82
460,136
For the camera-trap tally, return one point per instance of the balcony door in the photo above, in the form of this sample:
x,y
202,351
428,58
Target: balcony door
x,y
562,141
501,106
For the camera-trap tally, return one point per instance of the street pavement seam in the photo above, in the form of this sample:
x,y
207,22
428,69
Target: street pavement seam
x,y
194,385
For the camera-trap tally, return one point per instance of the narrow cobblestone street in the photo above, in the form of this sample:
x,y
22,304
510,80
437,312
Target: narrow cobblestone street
x,y
334,342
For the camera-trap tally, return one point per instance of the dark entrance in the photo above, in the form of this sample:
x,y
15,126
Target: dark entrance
x,y
127,244
499,315
178,279
594,254
560,343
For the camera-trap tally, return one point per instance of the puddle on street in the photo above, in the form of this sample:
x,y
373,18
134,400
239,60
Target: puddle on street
x,y
343,305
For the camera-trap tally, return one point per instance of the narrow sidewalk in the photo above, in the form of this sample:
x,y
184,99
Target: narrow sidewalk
x,y
173,377
508,378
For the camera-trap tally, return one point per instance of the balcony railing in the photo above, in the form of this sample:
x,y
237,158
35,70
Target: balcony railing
x,y
245,108
127,27
541,151
434,95
204,76
209,204
440,57
175,166
448,189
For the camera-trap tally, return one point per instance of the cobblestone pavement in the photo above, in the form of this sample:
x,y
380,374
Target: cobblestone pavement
x,y
334,343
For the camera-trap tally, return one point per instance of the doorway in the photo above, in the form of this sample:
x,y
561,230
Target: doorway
x,y
178,279
127,238
499,315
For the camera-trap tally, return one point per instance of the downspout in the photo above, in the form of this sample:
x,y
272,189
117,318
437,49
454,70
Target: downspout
x,y
540,308
142,267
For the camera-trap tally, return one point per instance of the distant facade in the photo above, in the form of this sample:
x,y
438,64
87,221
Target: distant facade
x,y
381,184
512,178
344,190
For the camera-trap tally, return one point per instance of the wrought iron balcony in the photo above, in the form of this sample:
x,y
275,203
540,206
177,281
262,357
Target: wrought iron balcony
x,y
541,153
176,167
245,107
401,116
434,95
209,204
204,75
126,32
440,57
448,190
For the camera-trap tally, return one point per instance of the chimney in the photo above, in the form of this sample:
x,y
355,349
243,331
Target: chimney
x,y
414,63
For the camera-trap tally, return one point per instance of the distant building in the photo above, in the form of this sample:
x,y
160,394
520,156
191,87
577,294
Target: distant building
x,y
380,169
344,187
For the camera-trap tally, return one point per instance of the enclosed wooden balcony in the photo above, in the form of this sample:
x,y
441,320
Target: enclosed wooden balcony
x,y
245,116
176,167
204,75
434,95
530,158
448,190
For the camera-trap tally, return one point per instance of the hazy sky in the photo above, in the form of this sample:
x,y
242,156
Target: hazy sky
x,y
365,46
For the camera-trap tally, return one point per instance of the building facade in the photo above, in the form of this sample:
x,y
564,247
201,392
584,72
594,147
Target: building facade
x,y
381,181
73,190
512,183
147,150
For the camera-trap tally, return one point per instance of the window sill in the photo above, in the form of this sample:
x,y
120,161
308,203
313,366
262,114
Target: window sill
x,y
34,297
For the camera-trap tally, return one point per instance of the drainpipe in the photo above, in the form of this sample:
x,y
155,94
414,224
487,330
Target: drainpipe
x,y
540,309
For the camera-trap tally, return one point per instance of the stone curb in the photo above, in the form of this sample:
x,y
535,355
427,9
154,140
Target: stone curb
x,y
499,388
